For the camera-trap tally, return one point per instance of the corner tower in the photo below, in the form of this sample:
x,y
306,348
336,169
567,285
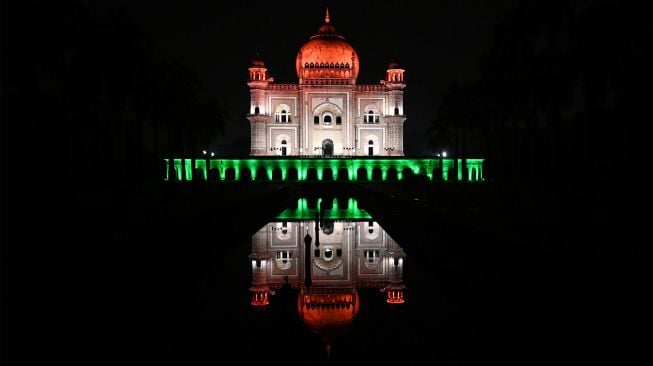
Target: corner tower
x,y
395,84
258,84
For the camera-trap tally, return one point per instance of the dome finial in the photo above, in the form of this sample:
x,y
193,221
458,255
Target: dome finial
x,y
257,61
326,18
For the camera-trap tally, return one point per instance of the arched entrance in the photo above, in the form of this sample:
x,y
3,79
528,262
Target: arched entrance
x,y
276,174
327,174
377,174
327,147
392,174
311,175
292,174
361,174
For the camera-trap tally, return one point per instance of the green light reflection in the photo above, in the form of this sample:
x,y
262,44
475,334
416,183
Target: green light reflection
x,y
302,212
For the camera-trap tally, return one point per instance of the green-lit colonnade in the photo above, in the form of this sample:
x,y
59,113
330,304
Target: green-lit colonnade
x,y
326,169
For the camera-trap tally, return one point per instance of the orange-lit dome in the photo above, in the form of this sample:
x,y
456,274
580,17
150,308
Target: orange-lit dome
x,y
257,61
327,55
394,64
328,313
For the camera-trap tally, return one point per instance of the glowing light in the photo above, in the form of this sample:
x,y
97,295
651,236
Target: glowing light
x,y
204,152
212,154
260,298
340,169
302,212
444,154
188,165
328,313
395,296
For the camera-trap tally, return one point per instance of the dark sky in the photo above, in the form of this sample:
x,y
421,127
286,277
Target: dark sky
x,y
436,45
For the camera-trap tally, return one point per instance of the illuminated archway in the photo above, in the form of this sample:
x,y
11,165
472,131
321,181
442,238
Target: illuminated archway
x,y
370,145
282,145
327,174
277,174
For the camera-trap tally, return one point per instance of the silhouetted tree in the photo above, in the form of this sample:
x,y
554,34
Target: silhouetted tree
x,y
550,68
106,91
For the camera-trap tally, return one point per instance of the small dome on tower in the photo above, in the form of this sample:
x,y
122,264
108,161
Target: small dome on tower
x,y
394,64
257,61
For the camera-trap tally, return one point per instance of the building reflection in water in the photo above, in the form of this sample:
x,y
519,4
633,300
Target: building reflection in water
x,y
326,260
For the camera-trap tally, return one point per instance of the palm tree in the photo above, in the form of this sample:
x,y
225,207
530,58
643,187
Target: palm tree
x,y
531,54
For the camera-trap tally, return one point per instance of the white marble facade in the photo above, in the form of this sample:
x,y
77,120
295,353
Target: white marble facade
x,y
326,113
346,254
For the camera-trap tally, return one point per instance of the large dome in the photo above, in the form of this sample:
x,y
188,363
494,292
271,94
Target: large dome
x,y
327,55
330,312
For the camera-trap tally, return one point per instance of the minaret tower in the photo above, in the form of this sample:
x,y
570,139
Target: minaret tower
x,y
395,84
259,290
395,259
258,84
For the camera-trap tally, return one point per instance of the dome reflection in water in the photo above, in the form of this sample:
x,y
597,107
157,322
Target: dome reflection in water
x,y
324,262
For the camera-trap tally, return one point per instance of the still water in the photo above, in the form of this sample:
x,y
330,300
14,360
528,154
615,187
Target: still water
x,y
323,263
323,281
267,277
331,285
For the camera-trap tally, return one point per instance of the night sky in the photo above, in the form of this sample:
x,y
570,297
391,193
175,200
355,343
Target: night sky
x,y
436,45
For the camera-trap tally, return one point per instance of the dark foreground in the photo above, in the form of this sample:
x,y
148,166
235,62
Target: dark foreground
x,y
159,275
